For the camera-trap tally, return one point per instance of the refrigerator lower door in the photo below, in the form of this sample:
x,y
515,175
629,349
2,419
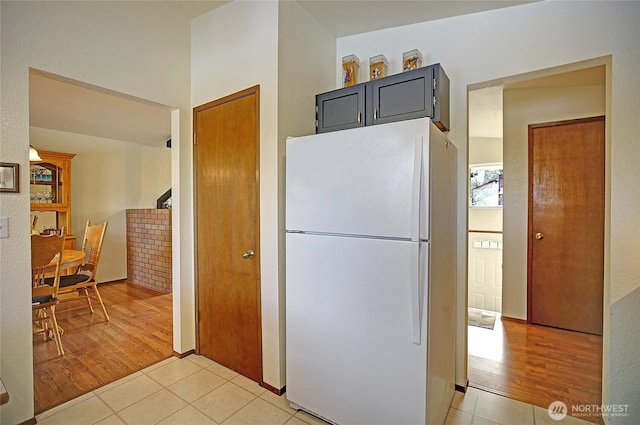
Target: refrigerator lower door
x,y
351,356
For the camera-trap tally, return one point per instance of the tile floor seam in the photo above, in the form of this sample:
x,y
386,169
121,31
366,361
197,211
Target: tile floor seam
x,y
206,394
141,400
120,418
257,398
68,404
167,387
137,401
114,412
275,405
475,403
184,377
236,411
213,371
191,403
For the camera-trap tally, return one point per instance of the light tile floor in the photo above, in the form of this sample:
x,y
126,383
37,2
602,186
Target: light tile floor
x,y
198,391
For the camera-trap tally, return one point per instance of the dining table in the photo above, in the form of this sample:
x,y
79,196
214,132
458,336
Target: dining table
x,y
71,259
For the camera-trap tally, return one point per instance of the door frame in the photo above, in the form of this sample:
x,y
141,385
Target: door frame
x,y
254,90
530,204
462,351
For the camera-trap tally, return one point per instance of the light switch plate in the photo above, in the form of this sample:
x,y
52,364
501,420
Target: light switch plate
x,y
4,227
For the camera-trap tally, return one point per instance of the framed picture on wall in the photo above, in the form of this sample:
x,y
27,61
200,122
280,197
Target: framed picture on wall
x,y
9,177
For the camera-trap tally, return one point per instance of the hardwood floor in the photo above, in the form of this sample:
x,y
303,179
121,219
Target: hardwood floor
x,y
537,364
97,352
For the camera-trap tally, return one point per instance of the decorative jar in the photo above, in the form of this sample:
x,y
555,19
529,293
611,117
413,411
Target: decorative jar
x,y
350,69
377,67
411,60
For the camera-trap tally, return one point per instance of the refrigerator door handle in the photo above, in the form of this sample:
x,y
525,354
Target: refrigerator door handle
x,y
417,189
415,295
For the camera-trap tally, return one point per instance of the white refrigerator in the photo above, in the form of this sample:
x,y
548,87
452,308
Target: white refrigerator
x,y
370,274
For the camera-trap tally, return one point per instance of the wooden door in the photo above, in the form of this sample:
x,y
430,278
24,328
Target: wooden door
x,y
227,232
566,224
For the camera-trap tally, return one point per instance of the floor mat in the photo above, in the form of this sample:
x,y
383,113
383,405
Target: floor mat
x,y
481,318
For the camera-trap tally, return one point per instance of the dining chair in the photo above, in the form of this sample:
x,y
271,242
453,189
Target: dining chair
x,y
84,279
46,257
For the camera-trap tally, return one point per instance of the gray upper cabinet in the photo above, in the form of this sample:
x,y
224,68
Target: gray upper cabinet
x,y
340,109
422,92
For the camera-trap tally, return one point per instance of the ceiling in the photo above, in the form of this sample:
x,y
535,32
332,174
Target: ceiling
x,y
63,105
485,104
60,104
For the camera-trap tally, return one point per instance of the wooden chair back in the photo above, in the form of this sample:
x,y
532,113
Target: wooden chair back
x,y
46,256
44,247
92,246
39,288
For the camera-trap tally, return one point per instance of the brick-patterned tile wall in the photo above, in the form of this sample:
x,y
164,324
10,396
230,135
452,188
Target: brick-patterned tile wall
x,y
149,248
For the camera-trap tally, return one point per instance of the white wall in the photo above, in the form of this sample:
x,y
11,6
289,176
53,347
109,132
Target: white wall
x,y
485,150
485,219
242,44
521,108
138,48
492,45
109,176
235,47
306,63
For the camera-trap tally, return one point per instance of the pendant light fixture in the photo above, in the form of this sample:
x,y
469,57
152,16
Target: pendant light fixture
x,y
33,154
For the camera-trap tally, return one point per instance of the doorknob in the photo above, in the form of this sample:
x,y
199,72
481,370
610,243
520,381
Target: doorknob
x,y
539,236
248,254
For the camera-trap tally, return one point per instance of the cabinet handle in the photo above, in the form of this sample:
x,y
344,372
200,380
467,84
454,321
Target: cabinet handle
x,y
359,117
375,114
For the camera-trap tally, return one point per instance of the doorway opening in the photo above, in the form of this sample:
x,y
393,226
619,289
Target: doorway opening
x,y
121,162
510,105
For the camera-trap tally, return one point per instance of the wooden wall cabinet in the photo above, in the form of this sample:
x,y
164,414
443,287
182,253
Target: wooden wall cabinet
x,y
50,189
422,92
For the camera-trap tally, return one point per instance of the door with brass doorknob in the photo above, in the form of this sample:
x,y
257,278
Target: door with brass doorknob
x,y
566,225
227,232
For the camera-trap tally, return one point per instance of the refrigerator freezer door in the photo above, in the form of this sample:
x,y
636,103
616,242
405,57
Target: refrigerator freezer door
x,y
359,181
350,329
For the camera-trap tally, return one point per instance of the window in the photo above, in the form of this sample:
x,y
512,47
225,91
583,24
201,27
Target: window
x,y
486,185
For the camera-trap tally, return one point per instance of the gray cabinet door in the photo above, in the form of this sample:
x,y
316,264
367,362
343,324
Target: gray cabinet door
x,y
402,96
340,109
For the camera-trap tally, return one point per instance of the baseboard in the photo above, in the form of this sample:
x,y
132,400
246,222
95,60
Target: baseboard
x,y
490,390
185,354
31,421
513,319
274,390
113,281
462,388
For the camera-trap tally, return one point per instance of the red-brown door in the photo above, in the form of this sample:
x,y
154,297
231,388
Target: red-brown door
x,y
227,232
566,224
